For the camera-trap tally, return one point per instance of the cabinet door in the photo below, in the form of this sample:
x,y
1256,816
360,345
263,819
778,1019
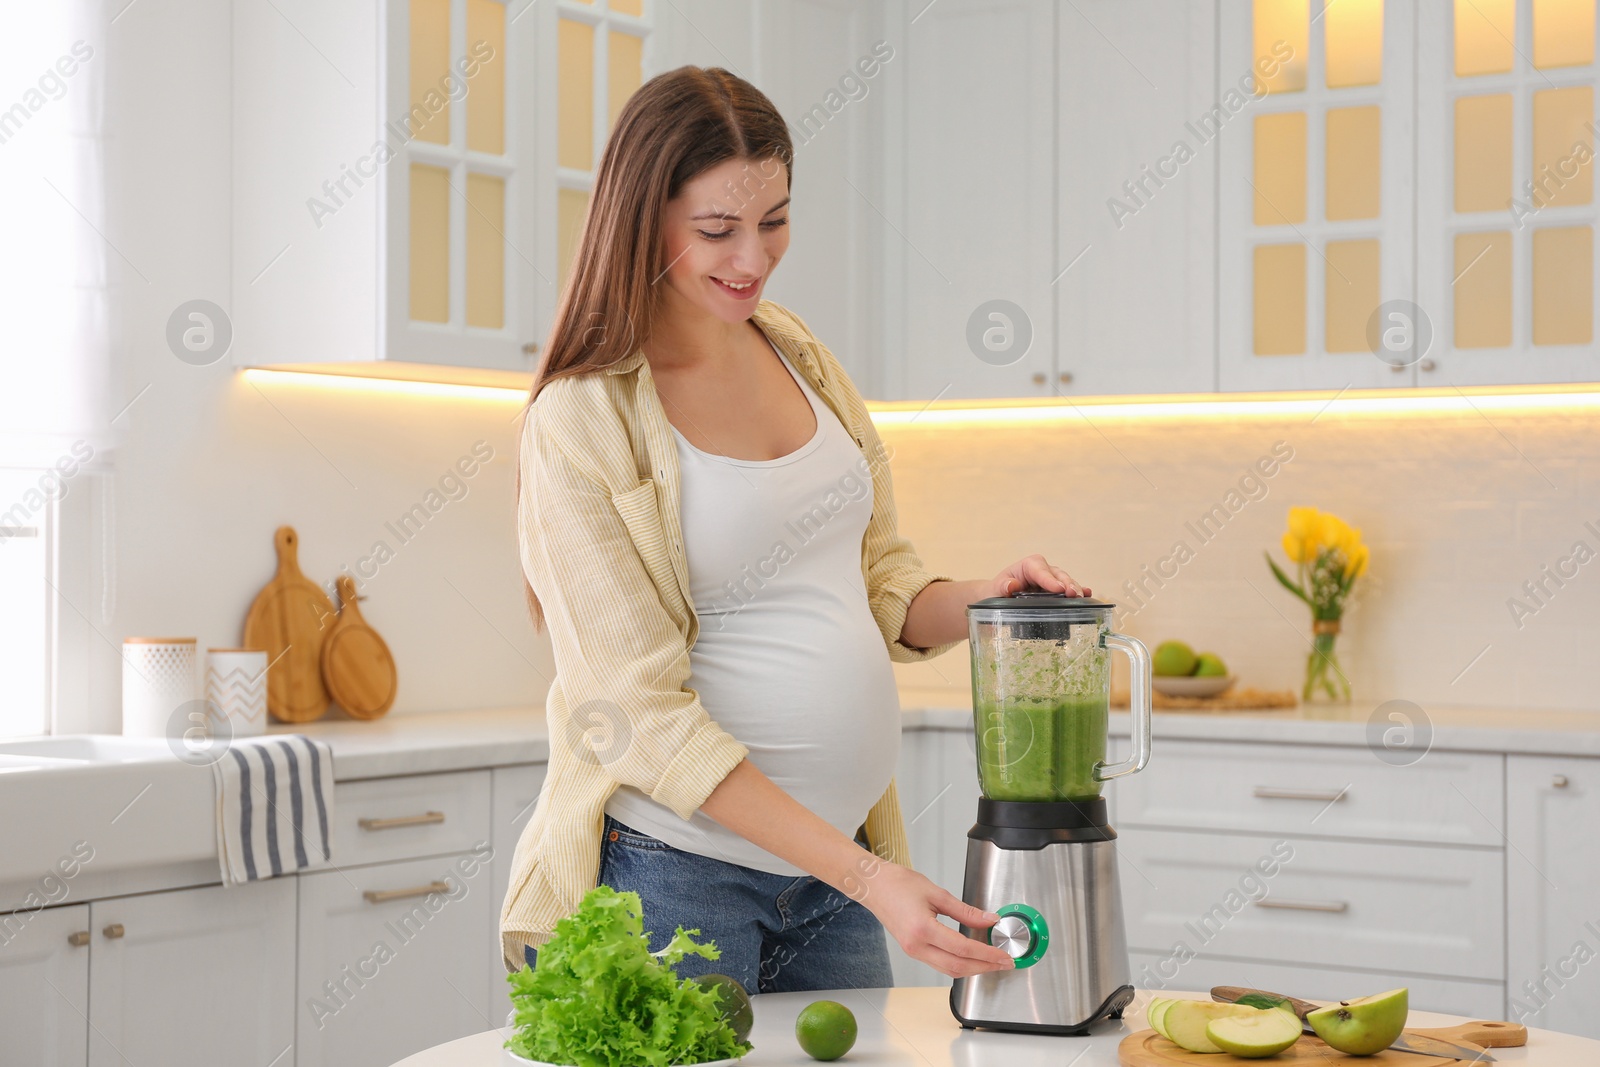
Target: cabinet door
x,y
44,985
193,976
1553,928
971,204
515,791
1137,210
391,959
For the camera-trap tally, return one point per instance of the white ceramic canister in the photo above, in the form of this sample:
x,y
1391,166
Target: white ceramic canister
x,y
236,691
159,677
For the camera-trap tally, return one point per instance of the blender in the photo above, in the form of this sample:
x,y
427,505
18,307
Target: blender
x,y
1042,854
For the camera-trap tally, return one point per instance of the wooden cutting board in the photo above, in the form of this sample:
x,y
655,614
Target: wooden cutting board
x,y
288,620
356,665
1146,1048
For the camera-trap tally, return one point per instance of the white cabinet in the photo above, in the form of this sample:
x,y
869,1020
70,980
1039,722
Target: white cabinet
x,y
193,976
516,789
1553,936
1136,184
44,985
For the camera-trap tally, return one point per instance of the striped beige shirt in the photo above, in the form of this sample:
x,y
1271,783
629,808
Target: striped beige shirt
x,y
598,529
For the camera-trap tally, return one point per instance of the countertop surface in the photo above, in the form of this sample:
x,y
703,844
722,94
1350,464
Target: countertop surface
x,y
426,742
913,1027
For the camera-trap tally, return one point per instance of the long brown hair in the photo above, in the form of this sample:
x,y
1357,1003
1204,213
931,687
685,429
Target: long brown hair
x,y
678,125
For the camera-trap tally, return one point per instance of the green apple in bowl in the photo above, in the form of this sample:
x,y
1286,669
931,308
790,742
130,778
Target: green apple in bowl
x,y
1362,1026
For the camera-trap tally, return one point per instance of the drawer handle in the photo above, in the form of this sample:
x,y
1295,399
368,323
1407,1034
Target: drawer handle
x,y
1306,905
380,896
402,820
78,938
1267,792
1559,781
114,931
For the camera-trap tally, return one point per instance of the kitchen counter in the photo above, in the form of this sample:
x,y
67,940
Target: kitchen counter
x,y
913,1027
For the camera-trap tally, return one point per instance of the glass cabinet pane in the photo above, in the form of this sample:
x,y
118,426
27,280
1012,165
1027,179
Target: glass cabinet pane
x,y
1483,290
1280,168
570,207
1563,33
1353,163
1485,32
1279,23
628,7
1483,152
430,243
1350,289
486,101
486,254
1280,300
430,67
1563,286
575,72
1353,36
624,71
1561,139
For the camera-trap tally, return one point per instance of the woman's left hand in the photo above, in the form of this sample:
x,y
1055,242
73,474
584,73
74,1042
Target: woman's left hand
x,y
1035,572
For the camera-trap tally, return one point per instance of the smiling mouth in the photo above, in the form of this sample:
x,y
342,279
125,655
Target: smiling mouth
x,y
737,288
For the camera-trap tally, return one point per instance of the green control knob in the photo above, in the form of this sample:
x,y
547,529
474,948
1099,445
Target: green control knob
x,y
1021,934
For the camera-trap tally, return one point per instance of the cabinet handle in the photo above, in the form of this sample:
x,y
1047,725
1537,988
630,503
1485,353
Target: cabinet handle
x,y
1267,792
1305,905
113,931
1559,781
1038,377
1065,377
1427,364
531,348
78,938
402,820
379,896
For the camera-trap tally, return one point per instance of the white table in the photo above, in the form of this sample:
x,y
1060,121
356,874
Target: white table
x,y
913,1027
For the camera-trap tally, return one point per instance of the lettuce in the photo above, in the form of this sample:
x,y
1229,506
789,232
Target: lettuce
x,y
601,998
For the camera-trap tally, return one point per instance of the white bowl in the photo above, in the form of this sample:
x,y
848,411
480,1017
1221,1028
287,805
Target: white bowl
x,y
517,1061
1192,686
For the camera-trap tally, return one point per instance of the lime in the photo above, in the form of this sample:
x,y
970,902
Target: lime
x,y
1173,659
1210,665
825,1029
732,1001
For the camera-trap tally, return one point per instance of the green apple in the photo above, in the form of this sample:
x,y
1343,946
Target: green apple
x,y
1210,665
1173,659
1362,1026
1185,1022
1153,1014
1266,1032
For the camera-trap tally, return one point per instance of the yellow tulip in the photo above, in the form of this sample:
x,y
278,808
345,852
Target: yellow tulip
x,y
1355,561
1303,538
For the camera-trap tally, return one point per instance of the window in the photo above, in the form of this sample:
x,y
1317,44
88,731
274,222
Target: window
x,y
27,513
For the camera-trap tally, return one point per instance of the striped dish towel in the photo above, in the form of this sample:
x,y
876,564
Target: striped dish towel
x,y
274,807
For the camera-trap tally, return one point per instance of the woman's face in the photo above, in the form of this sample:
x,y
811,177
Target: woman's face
x,y
726,231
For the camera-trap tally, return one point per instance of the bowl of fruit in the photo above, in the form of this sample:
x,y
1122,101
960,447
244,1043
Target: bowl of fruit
x,y
1179,671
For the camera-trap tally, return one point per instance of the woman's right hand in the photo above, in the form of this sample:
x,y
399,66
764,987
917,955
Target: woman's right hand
x,y
908,906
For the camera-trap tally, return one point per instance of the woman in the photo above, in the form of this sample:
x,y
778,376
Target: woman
x,y
706,523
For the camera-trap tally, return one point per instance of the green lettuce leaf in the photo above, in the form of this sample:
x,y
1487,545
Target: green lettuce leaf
x,y
600,998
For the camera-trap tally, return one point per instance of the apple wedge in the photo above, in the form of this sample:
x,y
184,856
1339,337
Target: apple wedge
x,y
1362,1026
1265,1032
1185,1022
1153,1014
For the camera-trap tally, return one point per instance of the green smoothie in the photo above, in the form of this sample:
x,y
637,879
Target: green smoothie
x,y
1036,750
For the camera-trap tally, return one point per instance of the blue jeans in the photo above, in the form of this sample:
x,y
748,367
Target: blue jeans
x,y
777,934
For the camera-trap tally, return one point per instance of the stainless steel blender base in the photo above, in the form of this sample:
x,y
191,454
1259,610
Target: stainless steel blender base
x,y
1083,975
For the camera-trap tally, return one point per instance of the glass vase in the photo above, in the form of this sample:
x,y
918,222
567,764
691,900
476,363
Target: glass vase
x,y
1325,678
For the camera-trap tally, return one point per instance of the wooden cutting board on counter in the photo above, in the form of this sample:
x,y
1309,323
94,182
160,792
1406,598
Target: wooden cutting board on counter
x,y
288,620
1146,1048
356,665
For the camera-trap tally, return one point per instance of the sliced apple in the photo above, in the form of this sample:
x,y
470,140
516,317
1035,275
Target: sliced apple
x,y
1265,1032
1153,1014
1362,1026
1185,1022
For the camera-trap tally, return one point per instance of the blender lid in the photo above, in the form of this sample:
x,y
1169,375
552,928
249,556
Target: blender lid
x,y
1042,601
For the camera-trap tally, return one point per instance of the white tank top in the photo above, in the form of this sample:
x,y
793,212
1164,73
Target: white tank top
x,y
789,659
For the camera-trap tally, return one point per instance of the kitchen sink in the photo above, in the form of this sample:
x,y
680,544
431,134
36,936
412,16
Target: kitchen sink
x,y
88,748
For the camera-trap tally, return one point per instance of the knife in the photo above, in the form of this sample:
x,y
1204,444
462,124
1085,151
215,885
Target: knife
x,y
1434,1041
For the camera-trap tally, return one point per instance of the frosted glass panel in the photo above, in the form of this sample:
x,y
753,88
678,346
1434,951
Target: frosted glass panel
x,y
1279,23
486,102
486,253
1353,37
1563,33
625,65
430,243
1353,163
1280,168
575,70
1483,152
1483,290
1351,288
1560,120
1280,300
1485,30
1563,286
628,7
570,206
430,65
